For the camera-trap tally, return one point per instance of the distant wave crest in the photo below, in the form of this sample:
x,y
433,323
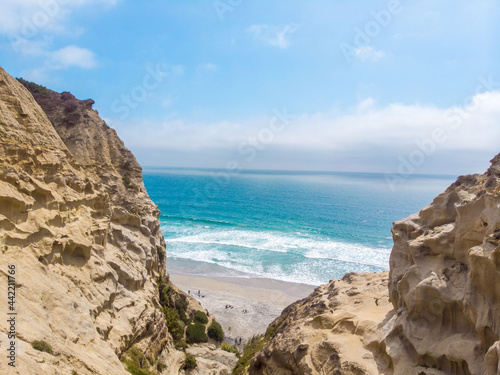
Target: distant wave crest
x,y
193,219
275,254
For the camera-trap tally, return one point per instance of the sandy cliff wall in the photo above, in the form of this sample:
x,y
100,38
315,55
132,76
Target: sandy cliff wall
x,y
336,330
83,234
438,312
445,279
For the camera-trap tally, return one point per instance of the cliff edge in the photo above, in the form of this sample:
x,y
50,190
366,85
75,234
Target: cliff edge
x,y
436,312
83,236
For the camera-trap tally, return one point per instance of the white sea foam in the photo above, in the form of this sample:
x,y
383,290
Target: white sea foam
x,y
309,247
288,257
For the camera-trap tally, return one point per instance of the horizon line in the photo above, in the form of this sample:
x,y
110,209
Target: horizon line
x,y
292,171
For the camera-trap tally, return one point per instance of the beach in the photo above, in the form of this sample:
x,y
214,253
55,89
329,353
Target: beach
x,y
263,299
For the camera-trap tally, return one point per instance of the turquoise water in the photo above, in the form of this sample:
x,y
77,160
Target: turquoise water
x,y
300,227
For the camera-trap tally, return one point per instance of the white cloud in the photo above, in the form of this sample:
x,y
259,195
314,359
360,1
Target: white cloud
x,y
368,53
28,18
73,56
207,67
32,25
25,17
365,105
168,101
273,35
31,47
66,57
376,136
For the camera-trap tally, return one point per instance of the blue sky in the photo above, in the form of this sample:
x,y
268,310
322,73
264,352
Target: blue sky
x,y
397,87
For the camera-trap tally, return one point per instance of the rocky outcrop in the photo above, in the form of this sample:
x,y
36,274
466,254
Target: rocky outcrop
x,y
211,360
444,289
93,144
445,280
336,330
79,227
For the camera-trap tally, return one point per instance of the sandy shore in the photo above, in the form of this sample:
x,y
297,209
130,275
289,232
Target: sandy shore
x,y
264,299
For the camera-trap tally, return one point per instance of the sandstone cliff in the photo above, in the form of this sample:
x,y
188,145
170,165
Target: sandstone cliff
x,y
336,330
85,239
444,289
445,280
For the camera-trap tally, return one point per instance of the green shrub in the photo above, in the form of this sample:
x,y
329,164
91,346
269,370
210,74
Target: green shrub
x,y
183,316
255,345
41,346
134,370
136,362
200,316
230,348
160,366
74,372
196,333
164,290
215,331
34,88
136,355
181,345
174,323
174,306
189,362
161,253
181,302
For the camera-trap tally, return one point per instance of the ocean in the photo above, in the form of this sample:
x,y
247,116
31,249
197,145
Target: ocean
x,y
292,226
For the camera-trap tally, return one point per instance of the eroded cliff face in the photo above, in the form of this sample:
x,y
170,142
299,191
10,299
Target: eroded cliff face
x,y
83,234
445,280
336,330
444,289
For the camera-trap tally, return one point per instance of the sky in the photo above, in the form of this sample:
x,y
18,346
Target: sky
x,y
399,87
